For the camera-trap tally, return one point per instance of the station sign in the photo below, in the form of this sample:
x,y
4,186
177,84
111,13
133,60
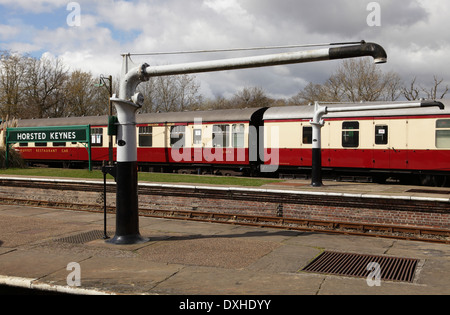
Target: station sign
x,y
58,134
48,134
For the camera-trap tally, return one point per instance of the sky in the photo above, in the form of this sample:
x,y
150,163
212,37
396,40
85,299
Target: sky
x,y
91,35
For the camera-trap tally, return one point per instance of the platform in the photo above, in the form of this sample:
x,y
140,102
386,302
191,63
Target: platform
x,y
193,258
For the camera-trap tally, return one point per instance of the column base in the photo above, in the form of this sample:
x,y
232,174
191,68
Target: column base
x,y
127,240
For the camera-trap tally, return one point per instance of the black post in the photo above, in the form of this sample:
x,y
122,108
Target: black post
x,y
127,206
317,124
316,168
127,216
105,233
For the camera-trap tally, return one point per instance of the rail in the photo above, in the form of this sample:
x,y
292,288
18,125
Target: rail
x,y
291,224
436,205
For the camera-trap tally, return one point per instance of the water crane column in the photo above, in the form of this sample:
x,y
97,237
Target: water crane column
x,y
128,102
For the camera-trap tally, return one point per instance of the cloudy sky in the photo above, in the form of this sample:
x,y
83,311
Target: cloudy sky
x,y
415,34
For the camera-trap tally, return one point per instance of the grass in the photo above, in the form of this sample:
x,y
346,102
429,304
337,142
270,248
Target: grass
x,y
143,177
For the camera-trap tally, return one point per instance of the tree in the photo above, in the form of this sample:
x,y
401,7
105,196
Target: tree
x,y
82,97
354,81
171,94
251,97
362,80
44,87
310,94
12,76
413,92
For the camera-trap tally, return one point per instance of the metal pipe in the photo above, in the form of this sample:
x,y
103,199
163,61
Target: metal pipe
x,y
140,74
365,49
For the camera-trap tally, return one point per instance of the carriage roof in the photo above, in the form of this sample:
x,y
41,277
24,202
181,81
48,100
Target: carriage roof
x,y
170,117
307,112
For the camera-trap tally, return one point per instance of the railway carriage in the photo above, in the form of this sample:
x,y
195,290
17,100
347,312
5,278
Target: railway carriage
x,y
219,141
381,144
389,143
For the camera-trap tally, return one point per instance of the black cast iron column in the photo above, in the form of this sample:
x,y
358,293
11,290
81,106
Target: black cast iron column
x,y
127,205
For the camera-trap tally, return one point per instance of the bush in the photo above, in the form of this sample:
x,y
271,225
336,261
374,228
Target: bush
x,y
15,160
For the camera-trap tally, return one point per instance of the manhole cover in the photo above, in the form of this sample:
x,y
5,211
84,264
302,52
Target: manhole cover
x,y
83,237
355,265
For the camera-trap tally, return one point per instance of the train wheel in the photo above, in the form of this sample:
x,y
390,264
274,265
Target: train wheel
x,y
433,180
439,180
426,180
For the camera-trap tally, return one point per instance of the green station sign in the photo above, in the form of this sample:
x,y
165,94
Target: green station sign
x,y
48,134
58,134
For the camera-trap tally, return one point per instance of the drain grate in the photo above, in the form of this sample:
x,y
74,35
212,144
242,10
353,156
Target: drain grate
x,y
83,237
356,265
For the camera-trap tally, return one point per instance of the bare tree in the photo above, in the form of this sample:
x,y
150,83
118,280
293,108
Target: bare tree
x,y
354,81
310,94
362,80
12,76
414,92
82,97
433,93
219,102
44,86
251,97
411,92
171,93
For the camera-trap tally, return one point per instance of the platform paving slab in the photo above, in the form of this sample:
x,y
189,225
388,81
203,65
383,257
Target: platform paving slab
x,y
218,281
36,264
194,258
118,275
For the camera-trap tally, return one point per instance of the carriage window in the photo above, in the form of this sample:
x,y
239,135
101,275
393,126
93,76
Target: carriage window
x,y
197,136
307,135
221,137
238,135
177,138
443,133
97,137
59,144
350,134
40,144
381,135
146,136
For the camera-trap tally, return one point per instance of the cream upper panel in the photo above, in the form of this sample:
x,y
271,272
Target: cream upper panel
x,y
402,134
161,135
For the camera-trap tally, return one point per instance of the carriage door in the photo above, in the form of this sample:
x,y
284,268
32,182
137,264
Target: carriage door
x,y
381,145
398,144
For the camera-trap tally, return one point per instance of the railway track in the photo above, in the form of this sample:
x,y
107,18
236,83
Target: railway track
x,y
330,227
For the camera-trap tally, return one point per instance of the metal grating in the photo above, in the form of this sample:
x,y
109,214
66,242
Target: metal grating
x,y
356,265
83,237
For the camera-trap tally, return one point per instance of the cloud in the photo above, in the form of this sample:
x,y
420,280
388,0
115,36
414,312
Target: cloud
x,y
8,32
35,6
412,31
